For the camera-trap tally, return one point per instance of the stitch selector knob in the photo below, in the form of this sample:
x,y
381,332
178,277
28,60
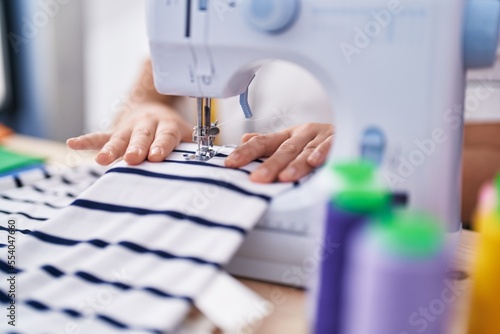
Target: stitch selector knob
x,y
271,16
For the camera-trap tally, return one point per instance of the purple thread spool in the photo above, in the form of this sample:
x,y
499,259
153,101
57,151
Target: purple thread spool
x,y
359,196
396,277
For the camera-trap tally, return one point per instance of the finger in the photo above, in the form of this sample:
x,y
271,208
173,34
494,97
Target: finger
x,y
114,148
318,157
286,153
257,147
166,140
140,141
247,136
91,141
299,167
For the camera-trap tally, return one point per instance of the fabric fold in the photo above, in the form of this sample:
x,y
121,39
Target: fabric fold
x,y
130,250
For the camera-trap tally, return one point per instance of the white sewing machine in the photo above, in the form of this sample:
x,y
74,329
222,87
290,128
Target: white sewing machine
x,y
395,72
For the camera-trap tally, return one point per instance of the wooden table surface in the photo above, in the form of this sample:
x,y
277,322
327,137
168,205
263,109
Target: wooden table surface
x,y
290,316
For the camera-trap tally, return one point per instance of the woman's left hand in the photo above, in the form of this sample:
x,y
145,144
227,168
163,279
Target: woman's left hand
x,y
293,153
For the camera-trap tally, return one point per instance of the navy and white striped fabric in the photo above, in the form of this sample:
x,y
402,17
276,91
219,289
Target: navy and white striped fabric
x,y
129,253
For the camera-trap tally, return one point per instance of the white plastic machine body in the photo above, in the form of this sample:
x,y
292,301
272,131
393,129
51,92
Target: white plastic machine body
x,y
395,73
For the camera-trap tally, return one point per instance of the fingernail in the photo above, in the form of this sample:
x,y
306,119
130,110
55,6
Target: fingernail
x,y
134,150
106,153
290,173
262,172
232,160
234,156
315,157
156,151
104,157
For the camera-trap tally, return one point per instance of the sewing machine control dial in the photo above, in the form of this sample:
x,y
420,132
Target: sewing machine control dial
x,y
271,16
482,20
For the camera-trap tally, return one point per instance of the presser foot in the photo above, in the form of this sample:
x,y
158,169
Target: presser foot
x,y
205,137
204,133
204,154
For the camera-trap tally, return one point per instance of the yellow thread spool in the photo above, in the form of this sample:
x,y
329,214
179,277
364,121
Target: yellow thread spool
x,y
485,306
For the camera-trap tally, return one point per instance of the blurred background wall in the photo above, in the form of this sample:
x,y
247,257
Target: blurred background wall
x,y
70,63
45,49
115,48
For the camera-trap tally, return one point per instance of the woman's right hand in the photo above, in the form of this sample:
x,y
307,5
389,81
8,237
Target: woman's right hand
x,y
150,133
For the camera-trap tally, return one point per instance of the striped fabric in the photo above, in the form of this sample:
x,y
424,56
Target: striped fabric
x,y
128,251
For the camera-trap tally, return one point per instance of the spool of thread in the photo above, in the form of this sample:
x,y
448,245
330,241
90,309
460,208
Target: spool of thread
x,y
358,195
396,277
485,305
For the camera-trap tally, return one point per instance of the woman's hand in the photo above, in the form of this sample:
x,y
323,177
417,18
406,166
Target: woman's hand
x,y
151,133
293,153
